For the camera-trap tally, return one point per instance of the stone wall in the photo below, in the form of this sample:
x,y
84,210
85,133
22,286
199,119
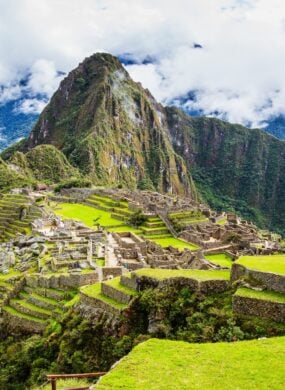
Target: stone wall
x,y
204,287
270,281
117,295
93,302
111,271
61,281
22,324
260,308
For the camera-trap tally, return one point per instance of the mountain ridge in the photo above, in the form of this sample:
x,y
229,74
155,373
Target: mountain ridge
x,y
114,132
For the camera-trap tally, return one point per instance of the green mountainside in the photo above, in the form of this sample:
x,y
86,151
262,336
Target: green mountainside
x,y
232,166
115,133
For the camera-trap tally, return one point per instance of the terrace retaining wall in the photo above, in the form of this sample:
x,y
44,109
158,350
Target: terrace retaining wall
x,y
270,281
260,308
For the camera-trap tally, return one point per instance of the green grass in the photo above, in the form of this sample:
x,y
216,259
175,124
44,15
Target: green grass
x,y
124,228
202,275
11,274
73,301
32,307
221,259
263,295
273,263
172,241
86,214
100,262
94,291
115,282
164,365
16,313
222,221
62,384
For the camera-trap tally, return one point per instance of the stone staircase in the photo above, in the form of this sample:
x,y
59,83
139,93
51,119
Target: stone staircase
x,y
154,226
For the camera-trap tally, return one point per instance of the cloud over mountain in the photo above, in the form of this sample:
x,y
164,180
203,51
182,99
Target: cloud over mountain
x,y
230,53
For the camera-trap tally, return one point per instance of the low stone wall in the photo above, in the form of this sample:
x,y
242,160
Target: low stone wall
x,y
22,324
117,295
111,271
204,287
259,308
270,281
98,304
214,286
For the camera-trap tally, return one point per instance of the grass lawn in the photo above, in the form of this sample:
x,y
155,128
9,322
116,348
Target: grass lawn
x,y
172,241
263,295
164,365
161,274
221,259
274,263
86,214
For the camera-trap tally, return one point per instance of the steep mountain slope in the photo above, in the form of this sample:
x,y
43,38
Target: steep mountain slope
x,y
112,129
233,167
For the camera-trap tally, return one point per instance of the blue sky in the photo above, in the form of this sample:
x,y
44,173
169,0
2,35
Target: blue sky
x,y
230,53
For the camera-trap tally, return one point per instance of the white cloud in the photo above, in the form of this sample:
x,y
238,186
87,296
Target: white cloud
x,y
239,72
31,106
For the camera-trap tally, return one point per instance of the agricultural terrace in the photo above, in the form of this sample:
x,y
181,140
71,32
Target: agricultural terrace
x,y
274,263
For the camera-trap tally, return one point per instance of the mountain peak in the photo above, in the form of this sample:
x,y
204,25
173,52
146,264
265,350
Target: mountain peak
x,y
111,128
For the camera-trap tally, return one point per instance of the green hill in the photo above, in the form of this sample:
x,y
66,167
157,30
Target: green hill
x,y
163,364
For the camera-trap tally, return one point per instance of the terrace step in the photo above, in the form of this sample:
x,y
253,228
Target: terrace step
x,y
92,295
23,321
24,307
57,295
39,300
265,304
117,291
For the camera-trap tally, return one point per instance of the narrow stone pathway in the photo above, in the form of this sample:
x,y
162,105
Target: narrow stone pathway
x,y
111,259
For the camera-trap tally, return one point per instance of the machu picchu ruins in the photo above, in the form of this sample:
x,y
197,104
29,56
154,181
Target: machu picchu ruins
x,y
48,260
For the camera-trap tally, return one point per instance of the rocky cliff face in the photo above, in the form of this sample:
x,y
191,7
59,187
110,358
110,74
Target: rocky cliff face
x,y
112,129
232,166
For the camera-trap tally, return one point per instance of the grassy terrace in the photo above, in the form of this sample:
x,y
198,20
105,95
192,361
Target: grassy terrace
x,y
163,364
15,313
115,282
202,275
274,263
263,295
94,291
221,259
172,241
